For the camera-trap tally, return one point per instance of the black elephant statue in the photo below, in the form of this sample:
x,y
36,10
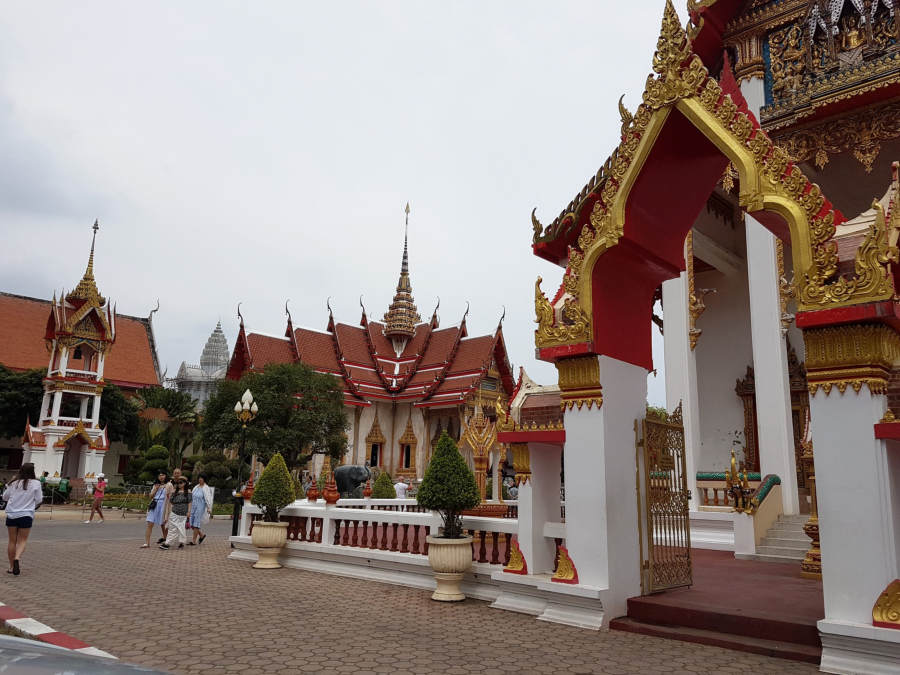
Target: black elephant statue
x,y
349,477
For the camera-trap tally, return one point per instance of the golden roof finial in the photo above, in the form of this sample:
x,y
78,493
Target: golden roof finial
x,y
87,287
403,315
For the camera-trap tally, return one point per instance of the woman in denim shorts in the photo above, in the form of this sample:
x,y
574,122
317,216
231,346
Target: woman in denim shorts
x,y
22,497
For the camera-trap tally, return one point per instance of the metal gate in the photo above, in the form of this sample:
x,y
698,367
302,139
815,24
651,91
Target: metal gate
x,y
664,525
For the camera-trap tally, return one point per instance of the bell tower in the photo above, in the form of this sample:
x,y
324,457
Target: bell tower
x,y
67,440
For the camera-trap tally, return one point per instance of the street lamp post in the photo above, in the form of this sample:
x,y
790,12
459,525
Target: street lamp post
x,y
245,410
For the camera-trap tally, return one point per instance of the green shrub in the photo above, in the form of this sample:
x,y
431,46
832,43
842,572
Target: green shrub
x,y
448,486
275,489
383,487
156,459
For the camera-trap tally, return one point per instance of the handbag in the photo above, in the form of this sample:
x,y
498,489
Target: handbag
x,y
152,507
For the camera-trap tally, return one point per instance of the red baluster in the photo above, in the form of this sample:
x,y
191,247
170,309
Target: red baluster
x,y
318,527
394,539
495,550
415,541
482,550
404,545
383,546
337,532
302,535
345,540
374,543
354,541
507,537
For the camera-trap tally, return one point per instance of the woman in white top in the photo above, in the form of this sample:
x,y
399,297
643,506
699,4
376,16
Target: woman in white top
x,y
22,497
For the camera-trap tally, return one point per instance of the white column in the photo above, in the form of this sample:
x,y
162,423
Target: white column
x,y
773,393
57,402
601,506
856,514
82,411
496,490
538,505
63,360
681,374
95,413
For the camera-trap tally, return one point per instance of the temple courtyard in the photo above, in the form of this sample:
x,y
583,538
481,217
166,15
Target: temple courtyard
x,y
195,611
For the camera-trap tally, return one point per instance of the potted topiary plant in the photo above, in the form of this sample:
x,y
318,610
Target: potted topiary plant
x,y
273,492
449,488
383,487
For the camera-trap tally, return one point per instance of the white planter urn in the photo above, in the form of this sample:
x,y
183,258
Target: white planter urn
x,y
268,538
450,559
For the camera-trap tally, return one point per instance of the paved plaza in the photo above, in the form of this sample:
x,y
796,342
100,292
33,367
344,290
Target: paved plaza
x,y
195,611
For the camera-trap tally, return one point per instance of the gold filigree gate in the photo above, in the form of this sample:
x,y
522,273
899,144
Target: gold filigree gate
x,y
663,502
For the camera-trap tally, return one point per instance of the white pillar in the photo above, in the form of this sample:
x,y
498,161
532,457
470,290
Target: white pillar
x,y
496,489
95,413
57,402
601,506
681,374
856,515
82,411
538,505
773,393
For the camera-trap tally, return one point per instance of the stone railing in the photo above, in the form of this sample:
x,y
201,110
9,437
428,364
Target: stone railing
x,y
713,490
371,524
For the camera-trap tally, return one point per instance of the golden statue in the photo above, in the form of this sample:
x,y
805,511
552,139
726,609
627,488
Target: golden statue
x,y
851,37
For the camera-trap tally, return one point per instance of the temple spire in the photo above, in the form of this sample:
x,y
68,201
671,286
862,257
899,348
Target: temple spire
x,y
87,287
402,315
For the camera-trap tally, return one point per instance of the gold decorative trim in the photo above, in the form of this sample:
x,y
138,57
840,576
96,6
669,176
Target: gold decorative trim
x,y
696,306
521,462
785,287
408,438
516,564
565,567
573,325
579,382
889,417
850,356
860,132
886,612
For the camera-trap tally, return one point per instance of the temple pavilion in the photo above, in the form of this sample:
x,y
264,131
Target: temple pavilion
x,y
82,343
405,380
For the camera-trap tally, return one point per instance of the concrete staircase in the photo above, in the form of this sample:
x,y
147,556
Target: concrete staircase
x,y
785,541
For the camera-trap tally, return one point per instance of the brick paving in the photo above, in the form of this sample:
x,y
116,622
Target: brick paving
x,y
194,611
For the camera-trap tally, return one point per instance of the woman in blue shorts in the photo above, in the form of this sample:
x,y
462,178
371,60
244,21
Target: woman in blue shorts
x,y
156,511
22,497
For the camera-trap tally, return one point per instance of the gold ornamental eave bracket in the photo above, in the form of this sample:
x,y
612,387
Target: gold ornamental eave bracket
x,y
886,612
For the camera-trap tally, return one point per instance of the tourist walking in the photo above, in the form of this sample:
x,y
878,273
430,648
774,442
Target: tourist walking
x,y
99,493
156,511
201,508
22,497
179,506
401,487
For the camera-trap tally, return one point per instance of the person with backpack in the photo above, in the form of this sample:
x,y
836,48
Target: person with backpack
x,y
22,496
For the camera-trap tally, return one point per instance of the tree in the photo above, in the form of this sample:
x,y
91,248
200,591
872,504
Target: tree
x,y
119,415
383,488
156,460
301,412
448,486
221,473
20,399
275,489
177,430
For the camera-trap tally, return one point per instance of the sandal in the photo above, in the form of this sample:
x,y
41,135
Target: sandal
x,y
145,545
202,538
190,543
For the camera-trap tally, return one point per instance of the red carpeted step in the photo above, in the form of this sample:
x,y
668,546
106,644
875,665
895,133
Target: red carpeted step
x,y
770,625
744,643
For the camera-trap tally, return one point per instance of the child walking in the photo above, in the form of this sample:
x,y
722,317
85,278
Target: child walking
x,y
180,502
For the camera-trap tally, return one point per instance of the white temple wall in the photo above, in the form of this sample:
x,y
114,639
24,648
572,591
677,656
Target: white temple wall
x,y
350,455
724,351
366,417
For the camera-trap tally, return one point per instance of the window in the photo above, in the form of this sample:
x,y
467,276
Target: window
x,y
375,455
77,354
407,456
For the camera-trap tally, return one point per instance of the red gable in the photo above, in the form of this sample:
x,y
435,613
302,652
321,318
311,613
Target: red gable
x,y
132,361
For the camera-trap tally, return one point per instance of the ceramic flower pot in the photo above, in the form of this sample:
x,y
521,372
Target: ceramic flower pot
x,y
450,559
269,539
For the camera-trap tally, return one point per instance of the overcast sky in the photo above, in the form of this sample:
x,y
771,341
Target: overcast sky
x,y
263,151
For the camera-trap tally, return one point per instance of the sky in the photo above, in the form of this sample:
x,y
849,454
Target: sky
x,y
264,152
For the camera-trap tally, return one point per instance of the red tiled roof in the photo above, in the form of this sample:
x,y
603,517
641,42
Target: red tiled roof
x,y
316,349
131,362
368,362
265,349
